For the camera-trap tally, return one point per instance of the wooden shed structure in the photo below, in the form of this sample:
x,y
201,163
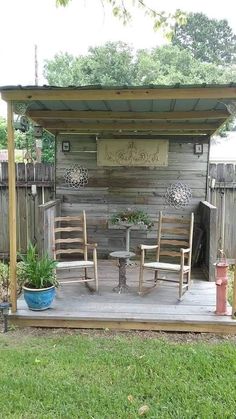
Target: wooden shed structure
x,y
180,120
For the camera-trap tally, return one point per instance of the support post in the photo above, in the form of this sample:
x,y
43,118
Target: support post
x,y
12,205
127,239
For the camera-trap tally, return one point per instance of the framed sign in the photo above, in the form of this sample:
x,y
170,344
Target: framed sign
x,y
124,152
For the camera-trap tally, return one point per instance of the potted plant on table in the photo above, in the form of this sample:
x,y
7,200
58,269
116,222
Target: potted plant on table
x,y
129,217
39,279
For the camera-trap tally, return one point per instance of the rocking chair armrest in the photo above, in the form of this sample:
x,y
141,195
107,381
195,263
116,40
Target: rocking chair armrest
x,y
185,250
147,247
91,245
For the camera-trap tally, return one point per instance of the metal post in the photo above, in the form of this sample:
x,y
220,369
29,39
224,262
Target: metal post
x,y
222,219
127,240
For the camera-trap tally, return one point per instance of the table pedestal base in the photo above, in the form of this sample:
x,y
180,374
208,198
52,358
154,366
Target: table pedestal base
x,y
122,286
123,262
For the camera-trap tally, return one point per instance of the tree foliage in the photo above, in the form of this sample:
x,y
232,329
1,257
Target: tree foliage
x,y
26,141
115,63
105,65
123,10
170,65
208,40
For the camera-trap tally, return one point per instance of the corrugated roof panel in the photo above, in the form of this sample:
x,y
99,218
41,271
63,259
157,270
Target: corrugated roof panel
x,y
55,105
185,105
144,100
75,105
96,105
137,106
161,105
206,104
118,105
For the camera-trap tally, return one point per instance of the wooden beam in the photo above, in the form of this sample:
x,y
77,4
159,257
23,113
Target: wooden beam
x,y
98,115
67,94
138,126
216,132
170,326
12,205
124,133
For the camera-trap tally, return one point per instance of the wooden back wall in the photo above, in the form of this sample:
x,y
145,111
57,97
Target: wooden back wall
x,y
111,189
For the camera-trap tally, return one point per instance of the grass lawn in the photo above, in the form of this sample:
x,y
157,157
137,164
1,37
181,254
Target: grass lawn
x,y
103,375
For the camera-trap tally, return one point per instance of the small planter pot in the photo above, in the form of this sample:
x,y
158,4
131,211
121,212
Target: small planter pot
x,y
39,299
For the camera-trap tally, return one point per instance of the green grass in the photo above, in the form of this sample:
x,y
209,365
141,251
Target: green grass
x,y
90,376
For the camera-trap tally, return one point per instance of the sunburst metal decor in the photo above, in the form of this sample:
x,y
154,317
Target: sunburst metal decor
x,y
76,177
20,108
178,195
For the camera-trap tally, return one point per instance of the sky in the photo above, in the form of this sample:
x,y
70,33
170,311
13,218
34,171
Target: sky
x,y
73,29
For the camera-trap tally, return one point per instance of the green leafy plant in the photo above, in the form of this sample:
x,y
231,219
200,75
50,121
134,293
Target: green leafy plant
x,y
5,280
130,216
38,272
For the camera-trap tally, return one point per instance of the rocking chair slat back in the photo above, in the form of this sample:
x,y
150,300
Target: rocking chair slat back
x,y
171,239
178,236
69,251
174,244
70,238
69,219
175,220
67,235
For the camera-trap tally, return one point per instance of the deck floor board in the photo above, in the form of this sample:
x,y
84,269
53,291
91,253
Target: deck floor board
x,y
76,306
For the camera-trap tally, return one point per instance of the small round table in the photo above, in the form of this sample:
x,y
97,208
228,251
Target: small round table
x,y
123,261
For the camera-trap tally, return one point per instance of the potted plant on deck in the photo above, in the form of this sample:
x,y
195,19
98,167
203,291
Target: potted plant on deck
x,y
39,279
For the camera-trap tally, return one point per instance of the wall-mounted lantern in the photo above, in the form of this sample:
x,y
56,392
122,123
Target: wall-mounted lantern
x,y
65,146
198,148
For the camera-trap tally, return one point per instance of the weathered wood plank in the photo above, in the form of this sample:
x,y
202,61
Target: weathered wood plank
x,y
25,177
112,189
74,306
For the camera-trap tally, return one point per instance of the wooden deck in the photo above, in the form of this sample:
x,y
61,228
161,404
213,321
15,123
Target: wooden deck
x,y
76,307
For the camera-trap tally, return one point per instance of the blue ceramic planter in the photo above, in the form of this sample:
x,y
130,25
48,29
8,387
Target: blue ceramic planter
x,y
39,299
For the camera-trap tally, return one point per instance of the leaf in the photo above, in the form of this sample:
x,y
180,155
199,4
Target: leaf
x,y
143,410
37,361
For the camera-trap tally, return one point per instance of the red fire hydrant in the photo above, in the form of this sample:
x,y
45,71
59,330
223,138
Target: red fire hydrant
x,y
221,286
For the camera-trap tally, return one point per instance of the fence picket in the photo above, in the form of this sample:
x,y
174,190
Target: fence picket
x,y
224,190
27,174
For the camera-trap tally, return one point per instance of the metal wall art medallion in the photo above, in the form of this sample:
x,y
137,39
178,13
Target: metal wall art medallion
x,y
178,195
76,177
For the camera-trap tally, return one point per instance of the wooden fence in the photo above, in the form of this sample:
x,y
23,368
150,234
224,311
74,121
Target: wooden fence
x,y
222,194
34,186
47,214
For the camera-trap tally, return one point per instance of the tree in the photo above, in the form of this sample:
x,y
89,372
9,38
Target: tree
x,y
3,133
26,141
208,40
123,9
170,64
116,64
63,68
20,137
108,65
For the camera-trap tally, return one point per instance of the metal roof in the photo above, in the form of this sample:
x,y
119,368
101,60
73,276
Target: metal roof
x,y
135,110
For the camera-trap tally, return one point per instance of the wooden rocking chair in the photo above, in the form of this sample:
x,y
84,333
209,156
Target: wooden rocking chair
x,y
70,237
175,236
